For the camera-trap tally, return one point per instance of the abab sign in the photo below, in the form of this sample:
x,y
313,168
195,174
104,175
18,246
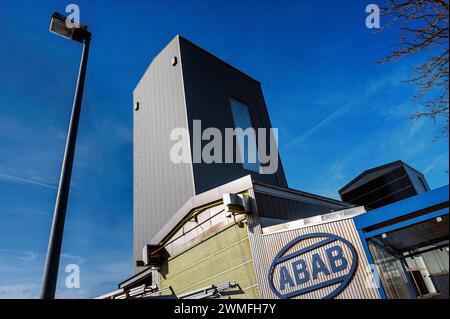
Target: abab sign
x,y
319,262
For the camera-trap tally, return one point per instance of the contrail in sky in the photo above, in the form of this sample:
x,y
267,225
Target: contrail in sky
x,y
331,118
353,103
18,179
435,162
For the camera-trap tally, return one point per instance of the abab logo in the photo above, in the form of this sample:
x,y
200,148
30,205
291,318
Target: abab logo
x,y
321,264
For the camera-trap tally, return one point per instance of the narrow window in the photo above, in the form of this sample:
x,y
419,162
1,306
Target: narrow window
x,y
246,137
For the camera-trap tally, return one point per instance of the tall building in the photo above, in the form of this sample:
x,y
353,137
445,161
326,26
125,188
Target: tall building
x,y
274,241
383,185
185,83
227,231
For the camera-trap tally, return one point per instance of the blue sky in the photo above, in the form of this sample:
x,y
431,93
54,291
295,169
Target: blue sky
x,y
337,110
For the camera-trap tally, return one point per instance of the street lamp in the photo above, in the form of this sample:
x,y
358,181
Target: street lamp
x,y
58,26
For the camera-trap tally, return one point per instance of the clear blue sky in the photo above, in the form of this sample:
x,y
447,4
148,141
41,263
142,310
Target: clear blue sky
x,y
337,110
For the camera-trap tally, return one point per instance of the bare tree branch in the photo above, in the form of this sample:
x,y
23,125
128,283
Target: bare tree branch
x,y
424,25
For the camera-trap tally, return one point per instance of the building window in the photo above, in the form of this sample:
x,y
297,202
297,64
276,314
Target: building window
x,y
246,139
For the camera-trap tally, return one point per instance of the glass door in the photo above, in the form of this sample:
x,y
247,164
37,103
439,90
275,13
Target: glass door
x,y
391,270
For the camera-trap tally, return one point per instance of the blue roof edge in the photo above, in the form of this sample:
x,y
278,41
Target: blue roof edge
x,y
404,207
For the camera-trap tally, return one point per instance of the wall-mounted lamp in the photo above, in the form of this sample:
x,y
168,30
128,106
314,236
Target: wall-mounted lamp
x,y
236,204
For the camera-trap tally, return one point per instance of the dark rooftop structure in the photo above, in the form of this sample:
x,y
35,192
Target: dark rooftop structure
x,y
383,185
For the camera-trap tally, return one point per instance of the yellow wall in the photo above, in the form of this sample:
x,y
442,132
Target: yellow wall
x,y
223,257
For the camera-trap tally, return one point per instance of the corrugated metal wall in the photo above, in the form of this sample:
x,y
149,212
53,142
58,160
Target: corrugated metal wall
x,y
266,246
162,108
437,261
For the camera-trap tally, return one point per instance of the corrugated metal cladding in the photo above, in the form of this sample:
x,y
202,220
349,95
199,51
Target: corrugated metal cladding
x,y
160,95
266,246
288,209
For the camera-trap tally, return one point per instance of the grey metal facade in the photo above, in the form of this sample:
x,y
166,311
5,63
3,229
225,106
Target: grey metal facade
x,y
185,83
160,186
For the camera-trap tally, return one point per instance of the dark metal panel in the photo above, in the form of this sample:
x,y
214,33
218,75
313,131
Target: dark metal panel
x,y
262,107
209,83
369,175
396,196
276,206
385,189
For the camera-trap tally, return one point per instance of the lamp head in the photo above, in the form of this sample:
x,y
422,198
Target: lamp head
x,y
59,26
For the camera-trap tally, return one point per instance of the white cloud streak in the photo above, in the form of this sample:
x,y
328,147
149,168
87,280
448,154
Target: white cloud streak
x,y
371,91
435,162
22,180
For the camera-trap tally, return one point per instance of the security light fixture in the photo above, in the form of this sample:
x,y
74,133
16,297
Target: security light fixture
x,y
59,26
153,255
236,204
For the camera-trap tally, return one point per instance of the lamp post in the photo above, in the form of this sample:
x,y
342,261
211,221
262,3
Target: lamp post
x,y
59,27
